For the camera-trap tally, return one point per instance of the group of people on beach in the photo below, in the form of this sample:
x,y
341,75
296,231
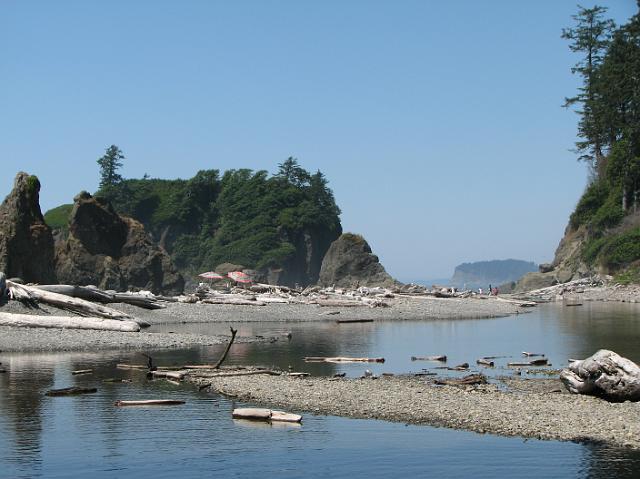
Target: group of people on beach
x,y
492,291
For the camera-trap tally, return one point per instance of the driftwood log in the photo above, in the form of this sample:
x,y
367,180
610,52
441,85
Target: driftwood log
x,y
261,414
339,359
235,301
470,380
67,322
226,351
150,402
442,358
533,362
76,305
605,374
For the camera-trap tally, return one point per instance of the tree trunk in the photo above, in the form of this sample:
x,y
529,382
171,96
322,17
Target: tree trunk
x,y
605,374
67,322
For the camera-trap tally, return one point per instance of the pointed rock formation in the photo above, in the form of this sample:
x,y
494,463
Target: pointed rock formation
x,y
112,251
350,263
26,242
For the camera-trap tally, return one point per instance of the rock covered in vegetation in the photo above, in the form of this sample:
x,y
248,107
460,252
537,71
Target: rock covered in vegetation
x,y
26,242
350,263
112,251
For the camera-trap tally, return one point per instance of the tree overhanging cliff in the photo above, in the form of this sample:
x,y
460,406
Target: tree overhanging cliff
x,y
604,230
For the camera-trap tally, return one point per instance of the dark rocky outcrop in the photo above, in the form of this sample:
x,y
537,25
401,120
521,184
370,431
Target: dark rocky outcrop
x,y
26,242
112,251
349,263
481,274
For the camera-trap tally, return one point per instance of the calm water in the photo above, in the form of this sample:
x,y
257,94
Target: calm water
x,y
86,435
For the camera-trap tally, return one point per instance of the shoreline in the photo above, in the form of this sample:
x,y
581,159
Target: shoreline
x,y
14,339
529,408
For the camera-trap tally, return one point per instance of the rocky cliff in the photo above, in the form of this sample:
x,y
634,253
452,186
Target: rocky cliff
x,y
26,242
481,274
112,251
349,263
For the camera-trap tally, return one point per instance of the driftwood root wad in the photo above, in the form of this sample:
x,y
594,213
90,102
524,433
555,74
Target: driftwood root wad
x,y
605,374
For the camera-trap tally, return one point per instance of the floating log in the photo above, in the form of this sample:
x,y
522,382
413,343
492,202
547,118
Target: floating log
x,y
67,322
534,362
460,367
339,359
72,391
345,321
150,402
261,414
82,371
605,374
132,366
573,304
116,380
469,380
524,353
484,362
442,358
76,305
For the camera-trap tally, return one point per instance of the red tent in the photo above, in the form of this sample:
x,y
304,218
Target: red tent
x,y
239,277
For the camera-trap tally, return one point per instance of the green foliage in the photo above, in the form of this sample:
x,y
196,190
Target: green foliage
x,y
630,275
110,163
593,198
33,185
58,218
621,250
592,248
243,217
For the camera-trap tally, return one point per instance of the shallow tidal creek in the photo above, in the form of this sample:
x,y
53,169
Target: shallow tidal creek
x,y
86,435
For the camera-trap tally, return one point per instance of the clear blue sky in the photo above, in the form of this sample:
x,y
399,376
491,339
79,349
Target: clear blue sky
x,y
439,124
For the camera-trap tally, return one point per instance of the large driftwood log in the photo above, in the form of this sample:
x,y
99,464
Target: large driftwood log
x,y
150,402
261,414
235,301
226,351
82,292
605,374
77,305
67,322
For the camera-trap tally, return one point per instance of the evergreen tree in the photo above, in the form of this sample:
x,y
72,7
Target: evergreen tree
x,y
590,37
110,163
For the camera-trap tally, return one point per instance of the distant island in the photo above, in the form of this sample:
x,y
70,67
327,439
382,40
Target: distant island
x,y
481,274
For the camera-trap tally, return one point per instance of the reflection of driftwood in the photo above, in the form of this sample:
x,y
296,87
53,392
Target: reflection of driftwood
x,y
469,380
269,372
82,371
261,414
77,305
226,351
150,402
533,362
73,391
67,322
442,358
322,359
604,374
179,375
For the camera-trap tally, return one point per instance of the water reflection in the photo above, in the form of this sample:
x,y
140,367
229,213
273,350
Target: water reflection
x,y
77,436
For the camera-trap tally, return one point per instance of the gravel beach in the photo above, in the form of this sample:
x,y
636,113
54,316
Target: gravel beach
x,y
531,408
41,339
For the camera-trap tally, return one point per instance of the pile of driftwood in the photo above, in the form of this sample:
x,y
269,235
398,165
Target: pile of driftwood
x,y
561,291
